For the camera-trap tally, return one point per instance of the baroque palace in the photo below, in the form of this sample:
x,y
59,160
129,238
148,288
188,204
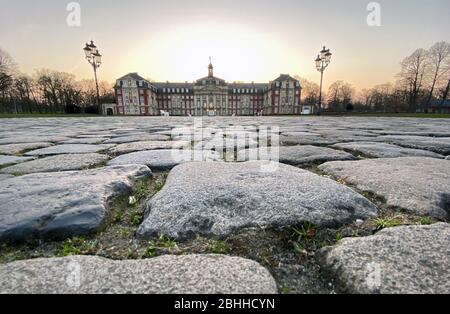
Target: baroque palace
x,y
208,96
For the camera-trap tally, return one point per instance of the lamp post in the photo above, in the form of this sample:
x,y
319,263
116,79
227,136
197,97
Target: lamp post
x,y
322,62
95,59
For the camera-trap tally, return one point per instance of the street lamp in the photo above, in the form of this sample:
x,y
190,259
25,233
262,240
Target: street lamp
x,y
95,59
322,62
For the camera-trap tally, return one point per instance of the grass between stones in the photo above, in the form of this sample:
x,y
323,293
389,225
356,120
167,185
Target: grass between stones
x,y
291,254
116,240
392,115
45,115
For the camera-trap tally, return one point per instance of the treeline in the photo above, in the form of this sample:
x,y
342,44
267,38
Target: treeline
x,y
47,91
422,83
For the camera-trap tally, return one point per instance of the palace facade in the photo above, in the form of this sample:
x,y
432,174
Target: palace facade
x,y
208,96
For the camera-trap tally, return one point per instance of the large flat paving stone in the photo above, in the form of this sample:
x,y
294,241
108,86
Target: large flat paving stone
x,y
58,163
420,185
432,133
5,176
138,138
14,149
188,274
384,150
403,260
299,133
439,145
226,144
216,199
12,160
62,204
32,139
151,145
86,140
291,140
326,138
164,159
68,149
294,155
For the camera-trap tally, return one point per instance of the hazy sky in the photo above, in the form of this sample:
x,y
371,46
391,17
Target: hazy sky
x,y
249,40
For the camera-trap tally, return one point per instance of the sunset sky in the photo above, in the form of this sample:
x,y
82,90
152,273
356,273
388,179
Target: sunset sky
x,y
249,40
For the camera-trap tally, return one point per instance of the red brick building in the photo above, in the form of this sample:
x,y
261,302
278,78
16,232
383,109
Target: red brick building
x,y
210,96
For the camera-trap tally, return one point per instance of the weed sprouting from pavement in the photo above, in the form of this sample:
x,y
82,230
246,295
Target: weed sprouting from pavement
x,y
426,221
219,247
162,242
307,231
77,246
383,223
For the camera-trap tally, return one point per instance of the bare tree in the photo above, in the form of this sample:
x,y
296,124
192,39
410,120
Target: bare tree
x,y
7,71
412,74
445,84
383,93
445,91
334,95
365,97
438,58
340,95
7,64
347,92
310,91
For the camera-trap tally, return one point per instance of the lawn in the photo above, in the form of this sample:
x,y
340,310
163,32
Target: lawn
x,y
386,115
393,115
45,115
